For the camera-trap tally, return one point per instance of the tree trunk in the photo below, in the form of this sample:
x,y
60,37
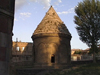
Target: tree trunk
x,y
94,60
93,47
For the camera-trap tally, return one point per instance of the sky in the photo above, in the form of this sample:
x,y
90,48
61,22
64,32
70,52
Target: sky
x,y
29,13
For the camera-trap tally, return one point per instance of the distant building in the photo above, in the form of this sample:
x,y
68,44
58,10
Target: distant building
x,y
22,52
83,56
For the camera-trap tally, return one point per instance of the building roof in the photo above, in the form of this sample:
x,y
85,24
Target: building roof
x,y
51,23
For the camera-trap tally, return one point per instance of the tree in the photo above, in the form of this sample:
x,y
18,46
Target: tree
x,y
87,19
78,52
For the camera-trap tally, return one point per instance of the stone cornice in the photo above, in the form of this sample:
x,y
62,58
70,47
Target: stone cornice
x,y
51,35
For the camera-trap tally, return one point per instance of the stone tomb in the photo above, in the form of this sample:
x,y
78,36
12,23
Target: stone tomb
x,y
51,46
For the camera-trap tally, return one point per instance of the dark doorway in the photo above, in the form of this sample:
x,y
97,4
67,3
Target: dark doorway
x,y
53,58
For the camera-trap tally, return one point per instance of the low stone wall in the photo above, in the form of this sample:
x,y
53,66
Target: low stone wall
x,y
26,63
82,62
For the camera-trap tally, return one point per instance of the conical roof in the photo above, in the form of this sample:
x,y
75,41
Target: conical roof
x,y
51,23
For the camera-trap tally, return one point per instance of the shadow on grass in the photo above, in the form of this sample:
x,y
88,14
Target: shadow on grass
x,y
88,69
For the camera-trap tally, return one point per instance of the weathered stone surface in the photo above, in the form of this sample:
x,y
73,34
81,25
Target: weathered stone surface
x,y
3,68
6,27
51,23
51,42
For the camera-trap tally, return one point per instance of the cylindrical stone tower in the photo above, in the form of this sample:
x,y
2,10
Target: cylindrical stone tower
x,y
51,44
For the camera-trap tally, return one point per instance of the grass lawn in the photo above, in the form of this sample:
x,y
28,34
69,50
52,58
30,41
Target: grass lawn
x,y
89,69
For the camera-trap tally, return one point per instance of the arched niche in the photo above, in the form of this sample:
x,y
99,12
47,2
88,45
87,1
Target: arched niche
x,y
51,50
40,53
63,53
52,58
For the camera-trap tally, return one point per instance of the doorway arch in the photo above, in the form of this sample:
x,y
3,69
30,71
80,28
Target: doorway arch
x,y
52,58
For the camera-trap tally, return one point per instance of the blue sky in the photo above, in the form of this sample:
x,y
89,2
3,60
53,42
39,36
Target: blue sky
x,y
29,13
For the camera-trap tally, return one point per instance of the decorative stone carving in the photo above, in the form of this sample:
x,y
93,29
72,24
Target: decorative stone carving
x,y
51,23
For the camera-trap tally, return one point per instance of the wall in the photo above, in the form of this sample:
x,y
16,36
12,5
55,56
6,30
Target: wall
x,y
6,27
44,47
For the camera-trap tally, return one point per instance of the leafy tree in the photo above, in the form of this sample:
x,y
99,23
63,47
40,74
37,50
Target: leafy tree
x,y
78,52
87,19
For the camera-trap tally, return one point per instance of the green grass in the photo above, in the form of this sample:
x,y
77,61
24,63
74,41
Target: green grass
x,y
89,69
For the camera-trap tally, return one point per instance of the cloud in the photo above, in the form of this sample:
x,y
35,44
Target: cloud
x,y
20,3
67,12
57,2
34,0
15,19
25,14
45,3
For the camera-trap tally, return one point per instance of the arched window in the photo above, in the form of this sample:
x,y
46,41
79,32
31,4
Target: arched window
x,y
23,48
53,58
17,48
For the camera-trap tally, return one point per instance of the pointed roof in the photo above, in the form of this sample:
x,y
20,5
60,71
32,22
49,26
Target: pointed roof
x,y
51,23
51,14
